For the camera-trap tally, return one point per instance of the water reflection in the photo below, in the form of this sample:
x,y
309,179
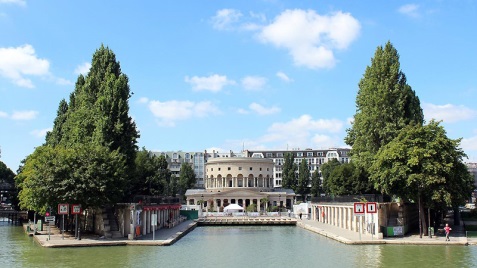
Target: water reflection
x,y
260,246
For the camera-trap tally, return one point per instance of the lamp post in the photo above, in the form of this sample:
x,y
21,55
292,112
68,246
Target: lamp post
x,y
279,205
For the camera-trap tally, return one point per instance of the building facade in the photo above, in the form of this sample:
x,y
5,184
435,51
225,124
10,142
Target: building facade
x,y
175,159
314,158
244,181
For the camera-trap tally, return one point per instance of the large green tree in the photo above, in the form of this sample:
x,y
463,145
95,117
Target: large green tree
x,y
289,180
348,179
303,179
315,183
187,178
7,184
326,170
423,165
385,104
92,134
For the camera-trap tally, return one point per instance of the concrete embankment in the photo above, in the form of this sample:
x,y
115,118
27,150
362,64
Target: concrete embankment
x,y
354,238
162,237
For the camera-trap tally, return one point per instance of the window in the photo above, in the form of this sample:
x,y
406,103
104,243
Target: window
x,y
299,154
251,168
260,169
219,169
228,168
309,154
279,154
211,169
269,154
240,168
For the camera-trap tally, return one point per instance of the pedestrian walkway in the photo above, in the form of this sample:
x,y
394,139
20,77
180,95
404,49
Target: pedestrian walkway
x,y
162,237
353,238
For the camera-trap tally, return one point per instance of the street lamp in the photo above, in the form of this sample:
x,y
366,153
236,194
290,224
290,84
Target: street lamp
x,y
280,205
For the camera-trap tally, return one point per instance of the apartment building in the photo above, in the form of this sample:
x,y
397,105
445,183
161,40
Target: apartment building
x,y
175,159
314,158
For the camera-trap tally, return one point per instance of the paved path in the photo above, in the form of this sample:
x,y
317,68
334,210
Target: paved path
x,y
162,237
165,237
350,237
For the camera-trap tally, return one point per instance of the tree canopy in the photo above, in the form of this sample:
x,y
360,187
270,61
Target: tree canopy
x,y
385,104
187,178
89,155
423,162
303,179
289,180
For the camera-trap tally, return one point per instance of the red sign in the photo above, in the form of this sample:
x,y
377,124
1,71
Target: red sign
x,y
63,209
47,214
359,208
371,207
75,209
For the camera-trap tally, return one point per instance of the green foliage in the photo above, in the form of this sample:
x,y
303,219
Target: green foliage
x,y
147,179
315,183
289,180
385,104
303,179
187,178
251,208
423,161
326,170
89,155
89,175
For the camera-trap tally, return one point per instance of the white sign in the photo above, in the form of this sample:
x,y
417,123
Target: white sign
x,y
154,220
75,209
371,207
50,219
358,209
63,209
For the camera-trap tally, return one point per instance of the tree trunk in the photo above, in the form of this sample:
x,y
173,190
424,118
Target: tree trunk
x,y
422,217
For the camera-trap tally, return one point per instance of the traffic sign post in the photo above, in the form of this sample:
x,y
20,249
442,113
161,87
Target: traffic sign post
x,y
63,210
372,208
359,208
75,210
49,220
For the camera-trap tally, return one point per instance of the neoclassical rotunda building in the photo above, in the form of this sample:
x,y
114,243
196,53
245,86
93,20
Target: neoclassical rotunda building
x,y
239,180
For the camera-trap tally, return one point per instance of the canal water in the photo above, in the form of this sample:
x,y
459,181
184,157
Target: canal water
x,y
248,246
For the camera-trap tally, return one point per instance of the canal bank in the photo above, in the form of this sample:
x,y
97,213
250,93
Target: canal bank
x,y
162,237
166,237
354,238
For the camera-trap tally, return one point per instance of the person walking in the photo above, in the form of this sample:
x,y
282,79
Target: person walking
x,y
447,229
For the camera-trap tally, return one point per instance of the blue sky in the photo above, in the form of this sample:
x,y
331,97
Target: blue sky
x,y
228,75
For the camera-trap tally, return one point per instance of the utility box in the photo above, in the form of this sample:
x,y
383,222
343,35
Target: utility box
x,y
39,225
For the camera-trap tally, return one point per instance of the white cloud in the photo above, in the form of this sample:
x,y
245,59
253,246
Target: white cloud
x,y
213,83
40,133
242,111
411,10
143,100
253,82
3,114
225,18
448,113
24,115
17,2
304,132
171,111
18,62
83,68
469,144
260,110
311,38
62,81
284,77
